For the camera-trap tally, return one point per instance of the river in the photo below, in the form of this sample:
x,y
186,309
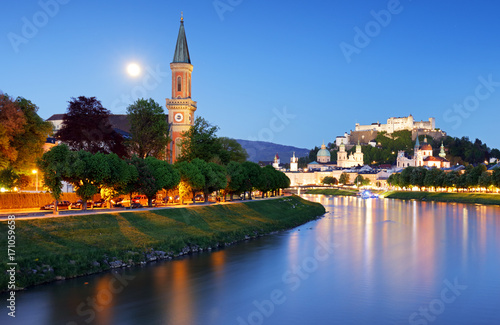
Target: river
x,y
374,261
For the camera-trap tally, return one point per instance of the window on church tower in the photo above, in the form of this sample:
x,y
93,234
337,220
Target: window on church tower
x,y
179,88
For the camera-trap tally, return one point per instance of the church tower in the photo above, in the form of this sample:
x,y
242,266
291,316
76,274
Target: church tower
x,y
181,107
358,155
276,163
341,155
294,163
442,154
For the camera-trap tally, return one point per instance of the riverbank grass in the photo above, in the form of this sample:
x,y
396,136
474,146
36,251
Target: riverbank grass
x,y
445,197
48,249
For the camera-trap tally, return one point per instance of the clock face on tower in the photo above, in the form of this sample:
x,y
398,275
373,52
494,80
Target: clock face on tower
x,y
178,117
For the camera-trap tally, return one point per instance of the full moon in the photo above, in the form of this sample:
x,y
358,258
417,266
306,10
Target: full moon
x,y
133,69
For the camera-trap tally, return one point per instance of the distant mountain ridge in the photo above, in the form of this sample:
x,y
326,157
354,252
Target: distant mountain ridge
x,y
265,151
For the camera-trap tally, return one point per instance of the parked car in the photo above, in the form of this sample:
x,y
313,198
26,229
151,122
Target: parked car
x,y
199,197
79,204
61,205
171,199
141,199
119,202
100,203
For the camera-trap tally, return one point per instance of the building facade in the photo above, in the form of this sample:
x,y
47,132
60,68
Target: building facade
x,y
180,107
323,155
398,124
423,156
294,163
353,160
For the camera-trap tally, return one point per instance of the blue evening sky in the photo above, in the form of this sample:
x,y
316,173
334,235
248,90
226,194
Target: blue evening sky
x,y
290,72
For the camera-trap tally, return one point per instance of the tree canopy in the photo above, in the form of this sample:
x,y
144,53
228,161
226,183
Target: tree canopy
x,y
22,134
201,141
55,166
86,127
148,128
232,150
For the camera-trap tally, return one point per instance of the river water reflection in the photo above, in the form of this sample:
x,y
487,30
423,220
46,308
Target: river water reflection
x,y
369,261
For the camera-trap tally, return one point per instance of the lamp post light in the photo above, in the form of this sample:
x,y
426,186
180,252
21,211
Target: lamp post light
x,y
34,171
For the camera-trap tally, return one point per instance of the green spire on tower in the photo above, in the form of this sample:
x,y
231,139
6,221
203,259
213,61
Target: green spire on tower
x,y
181,54
442,154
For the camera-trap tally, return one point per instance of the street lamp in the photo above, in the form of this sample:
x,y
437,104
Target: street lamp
x,y
34,171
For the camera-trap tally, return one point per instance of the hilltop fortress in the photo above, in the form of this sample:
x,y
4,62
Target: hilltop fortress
x,y
367,133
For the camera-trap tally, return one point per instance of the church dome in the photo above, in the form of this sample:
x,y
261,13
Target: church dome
x,y
426,146
323,152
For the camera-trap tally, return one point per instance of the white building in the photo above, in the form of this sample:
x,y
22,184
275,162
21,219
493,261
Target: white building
x,y
352,160
423,156
398,124
276,163
294,163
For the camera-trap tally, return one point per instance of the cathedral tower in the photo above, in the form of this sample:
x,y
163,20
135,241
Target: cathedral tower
x,y
181,107
294,163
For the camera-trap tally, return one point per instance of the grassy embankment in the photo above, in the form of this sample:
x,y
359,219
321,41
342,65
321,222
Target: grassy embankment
x,y
333,192
54,248
445,197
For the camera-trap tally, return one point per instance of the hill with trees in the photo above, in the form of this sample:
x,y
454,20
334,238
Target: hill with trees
x,y
265,151
461,151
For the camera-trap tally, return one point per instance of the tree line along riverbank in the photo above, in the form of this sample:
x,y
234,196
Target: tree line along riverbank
x,y
49,249
491,199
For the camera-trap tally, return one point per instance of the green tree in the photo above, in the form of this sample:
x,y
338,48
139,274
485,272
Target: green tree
x,y
474,174
434,178
329,180
152,176
495,153
86,127
485,180
344,178
87,173
451,179
8,178
12,121
192,178
55,166
237,176
283,181
148,128
252,172
417,177
462,181
495,177
267,180
232,150
29,143
214,175
358,181
201,141
120,175
393,180
164,176
405,177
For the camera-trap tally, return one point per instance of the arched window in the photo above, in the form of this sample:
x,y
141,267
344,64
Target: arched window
x,y
179,88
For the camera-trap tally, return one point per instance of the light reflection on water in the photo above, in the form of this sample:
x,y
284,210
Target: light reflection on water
x,y
375,261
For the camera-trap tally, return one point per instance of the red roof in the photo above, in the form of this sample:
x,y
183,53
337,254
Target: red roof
x,y
431,158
